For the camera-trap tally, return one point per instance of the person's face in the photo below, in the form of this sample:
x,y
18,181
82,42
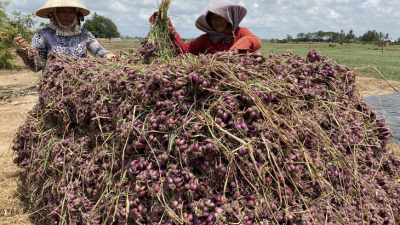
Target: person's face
x,y
218,23
66,15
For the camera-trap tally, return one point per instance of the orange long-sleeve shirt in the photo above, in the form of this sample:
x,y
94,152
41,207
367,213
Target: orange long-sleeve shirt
x,y
244,40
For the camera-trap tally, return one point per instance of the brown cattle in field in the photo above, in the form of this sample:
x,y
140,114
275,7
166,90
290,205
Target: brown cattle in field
x,y
332,45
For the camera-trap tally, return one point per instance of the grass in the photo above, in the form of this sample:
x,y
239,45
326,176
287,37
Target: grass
x,y
351,55
115,46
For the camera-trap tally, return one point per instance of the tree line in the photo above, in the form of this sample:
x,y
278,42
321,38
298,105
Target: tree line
x,y
101,27
339,37
10,27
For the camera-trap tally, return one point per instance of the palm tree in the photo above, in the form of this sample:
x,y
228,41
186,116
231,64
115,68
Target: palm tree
x,y
350,35
381,35
300,36
342,33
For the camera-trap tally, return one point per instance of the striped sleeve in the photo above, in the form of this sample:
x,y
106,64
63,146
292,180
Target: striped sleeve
x,y
94,46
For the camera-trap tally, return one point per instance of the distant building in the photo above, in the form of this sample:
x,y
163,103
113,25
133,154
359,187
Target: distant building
x,y
383,44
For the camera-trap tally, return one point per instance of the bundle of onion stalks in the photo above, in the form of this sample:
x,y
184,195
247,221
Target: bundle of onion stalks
x,y
157,45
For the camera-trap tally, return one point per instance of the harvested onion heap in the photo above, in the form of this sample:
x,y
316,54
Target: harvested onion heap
x,y
208,140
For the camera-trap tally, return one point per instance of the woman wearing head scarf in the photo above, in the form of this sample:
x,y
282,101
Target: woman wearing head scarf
x,y
220,21
64,35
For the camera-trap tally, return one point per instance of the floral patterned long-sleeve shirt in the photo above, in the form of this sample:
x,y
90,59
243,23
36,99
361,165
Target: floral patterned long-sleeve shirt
x,y
46,41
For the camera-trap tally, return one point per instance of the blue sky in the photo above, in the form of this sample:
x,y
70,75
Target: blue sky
x,y
265,18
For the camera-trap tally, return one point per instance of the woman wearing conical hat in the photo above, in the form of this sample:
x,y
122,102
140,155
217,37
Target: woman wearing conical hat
x,y
64,35
220,21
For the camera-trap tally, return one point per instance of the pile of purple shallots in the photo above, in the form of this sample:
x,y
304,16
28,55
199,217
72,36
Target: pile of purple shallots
x,y
208,139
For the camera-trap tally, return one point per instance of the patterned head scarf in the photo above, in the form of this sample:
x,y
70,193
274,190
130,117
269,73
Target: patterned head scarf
x,y
73,29
231,12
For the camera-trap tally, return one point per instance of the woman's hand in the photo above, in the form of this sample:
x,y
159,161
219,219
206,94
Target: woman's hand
x,y
111,57
20,43
172,30
153,19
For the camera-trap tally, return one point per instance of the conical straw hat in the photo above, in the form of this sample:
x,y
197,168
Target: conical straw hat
x,y
52,4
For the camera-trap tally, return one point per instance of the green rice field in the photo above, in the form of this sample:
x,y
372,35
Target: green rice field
x,y
351,55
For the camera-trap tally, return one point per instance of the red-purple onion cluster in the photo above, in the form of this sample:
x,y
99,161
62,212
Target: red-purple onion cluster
x,y
210,139
153,50
148,49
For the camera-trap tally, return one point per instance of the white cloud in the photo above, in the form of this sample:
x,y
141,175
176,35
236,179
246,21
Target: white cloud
x,y
333,15
20,2
119,7
145,14
265,18
371,3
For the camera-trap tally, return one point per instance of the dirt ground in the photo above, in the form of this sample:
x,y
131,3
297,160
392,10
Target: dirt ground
x,y
13,207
